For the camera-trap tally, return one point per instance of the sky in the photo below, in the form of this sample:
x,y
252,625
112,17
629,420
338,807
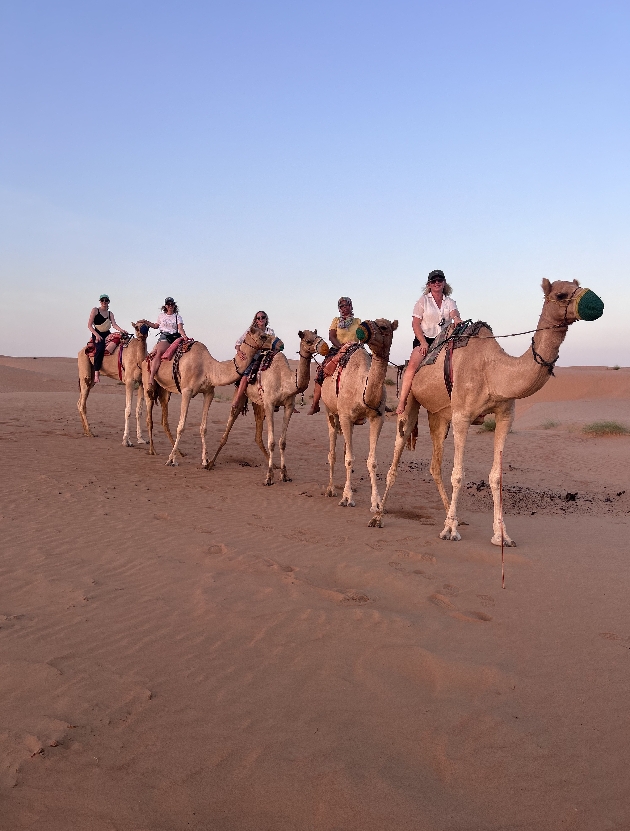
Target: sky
x,y
248,155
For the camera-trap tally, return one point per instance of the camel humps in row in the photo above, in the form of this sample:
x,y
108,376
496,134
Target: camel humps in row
x,y
487,380
199,373
356,393
133,354
278,386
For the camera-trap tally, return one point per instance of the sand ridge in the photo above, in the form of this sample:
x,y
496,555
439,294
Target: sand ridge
x,y
189,649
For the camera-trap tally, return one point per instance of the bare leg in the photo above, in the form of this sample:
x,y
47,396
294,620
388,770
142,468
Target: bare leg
x,y
412,367
160,349
405,425
439,425
239,396
346,428
317,394
504,421
186,396
333,430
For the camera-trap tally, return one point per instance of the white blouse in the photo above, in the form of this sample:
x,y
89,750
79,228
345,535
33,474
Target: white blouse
x,y
168,323
431,316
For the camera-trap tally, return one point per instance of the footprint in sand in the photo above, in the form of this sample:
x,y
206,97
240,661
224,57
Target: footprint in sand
x,y
486,599
442,602
449,590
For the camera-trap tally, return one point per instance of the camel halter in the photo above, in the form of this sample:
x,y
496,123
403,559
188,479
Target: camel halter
x,y
550,365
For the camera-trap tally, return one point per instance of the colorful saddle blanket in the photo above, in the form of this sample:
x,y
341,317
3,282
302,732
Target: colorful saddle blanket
x,y
111,342
458,337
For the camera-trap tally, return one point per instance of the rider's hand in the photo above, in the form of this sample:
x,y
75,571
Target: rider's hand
x,y
98,338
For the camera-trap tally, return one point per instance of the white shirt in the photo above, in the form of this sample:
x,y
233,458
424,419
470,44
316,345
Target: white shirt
x,y
268,331
168,323
431,316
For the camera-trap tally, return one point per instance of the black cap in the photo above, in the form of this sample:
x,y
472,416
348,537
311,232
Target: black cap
x,y
169,300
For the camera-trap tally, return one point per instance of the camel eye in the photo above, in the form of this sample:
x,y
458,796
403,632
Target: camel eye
x,y
562,295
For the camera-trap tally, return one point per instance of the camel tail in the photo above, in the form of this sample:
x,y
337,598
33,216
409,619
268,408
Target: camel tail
x,y
412,438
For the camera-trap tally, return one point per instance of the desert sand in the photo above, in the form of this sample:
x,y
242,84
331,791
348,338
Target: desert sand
x,y
188,649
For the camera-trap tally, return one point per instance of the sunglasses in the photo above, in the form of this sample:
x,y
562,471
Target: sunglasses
x,y
261,317
437,280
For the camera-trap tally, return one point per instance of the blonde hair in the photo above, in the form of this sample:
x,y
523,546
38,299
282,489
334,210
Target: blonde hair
x,y
260,312
447,289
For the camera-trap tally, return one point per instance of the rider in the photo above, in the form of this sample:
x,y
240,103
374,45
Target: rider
x,y
343,329
171,328
260,321
99,323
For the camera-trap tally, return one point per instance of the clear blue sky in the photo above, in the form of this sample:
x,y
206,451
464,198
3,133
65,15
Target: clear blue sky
x,y
276,155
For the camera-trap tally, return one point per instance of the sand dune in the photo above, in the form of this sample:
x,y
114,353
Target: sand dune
x,y
188,649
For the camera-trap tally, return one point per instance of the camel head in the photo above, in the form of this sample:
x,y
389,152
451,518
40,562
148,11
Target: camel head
x,y
261,340
378,334
566,302
142,329
312,344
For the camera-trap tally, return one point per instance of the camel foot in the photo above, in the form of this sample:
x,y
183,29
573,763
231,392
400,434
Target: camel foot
x,y
127,443
330,491
140,440
376,521
284,477
268,481
450,534
376,509
172,463
347,503
507,542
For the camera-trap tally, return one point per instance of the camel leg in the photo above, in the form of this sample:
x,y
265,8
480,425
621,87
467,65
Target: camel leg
x,y
405,425
186,396
438,425
259,415
165,397
504,421
140,399
224,438
271,443
288,412
85,385
461,424
207,400
128,402
376,425
150,400
333,430
346,428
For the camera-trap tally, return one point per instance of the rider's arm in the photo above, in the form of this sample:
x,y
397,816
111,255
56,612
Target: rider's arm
x,y
115,325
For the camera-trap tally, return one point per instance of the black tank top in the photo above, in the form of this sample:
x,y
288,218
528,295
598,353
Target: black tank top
x,y
98,318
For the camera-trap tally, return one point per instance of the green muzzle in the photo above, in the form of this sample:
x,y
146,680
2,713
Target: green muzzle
x,y
589,306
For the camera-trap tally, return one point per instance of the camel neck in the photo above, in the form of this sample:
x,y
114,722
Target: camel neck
x,y
526,375
376,377
304,373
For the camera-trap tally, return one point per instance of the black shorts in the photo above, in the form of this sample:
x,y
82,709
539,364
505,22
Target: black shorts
x,y
429,341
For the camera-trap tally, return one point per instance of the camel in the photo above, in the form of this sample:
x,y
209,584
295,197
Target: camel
x,y
132,356
487,380
278,386
199,373
359,394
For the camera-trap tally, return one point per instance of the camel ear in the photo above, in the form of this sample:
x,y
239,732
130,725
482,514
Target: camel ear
x,y
394,326
314,331
577,282
300,335
546,286
134,324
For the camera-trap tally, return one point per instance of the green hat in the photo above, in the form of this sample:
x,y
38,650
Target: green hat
x,y
103,297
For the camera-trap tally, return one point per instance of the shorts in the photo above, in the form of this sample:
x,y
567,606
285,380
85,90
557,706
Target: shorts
x,y
170,337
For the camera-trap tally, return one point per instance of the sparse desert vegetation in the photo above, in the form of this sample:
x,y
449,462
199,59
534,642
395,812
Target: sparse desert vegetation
x,y
550,424
489,425
605,428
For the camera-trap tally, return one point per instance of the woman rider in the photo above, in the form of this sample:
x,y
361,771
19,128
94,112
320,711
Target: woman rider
x,y
433,308
171,328
100,322
260,321
343,329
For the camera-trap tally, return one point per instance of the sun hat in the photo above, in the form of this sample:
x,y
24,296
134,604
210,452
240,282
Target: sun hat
x,y
168,300
103,297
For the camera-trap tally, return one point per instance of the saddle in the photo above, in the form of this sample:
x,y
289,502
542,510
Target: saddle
x,y
111,342
451,339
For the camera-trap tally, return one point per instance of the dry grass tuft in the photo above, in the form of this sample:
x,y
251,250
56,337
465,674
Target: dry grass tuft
x,y
606,428
550,424
489,425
